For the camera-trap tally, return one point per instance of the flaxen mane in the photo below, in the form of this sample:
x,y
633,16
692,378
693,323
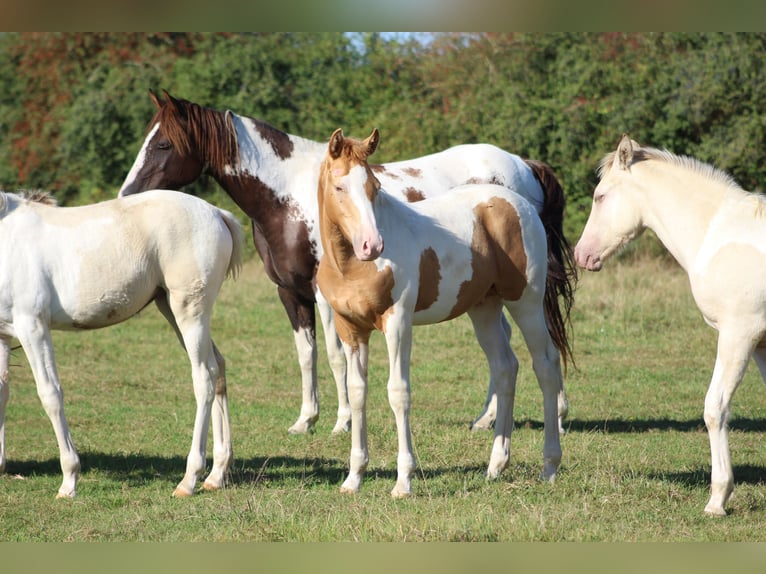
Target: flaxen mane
x,y
686,162
37,196
187,125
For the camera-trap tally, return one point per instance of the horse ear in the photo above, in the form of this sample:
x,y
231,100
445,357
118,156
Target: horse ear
x,y
372,142
170,100
155,99
336,143
624,155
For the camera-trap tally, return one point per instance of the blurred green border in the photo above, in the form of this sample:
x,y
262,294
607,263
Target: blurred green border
x,y
382,15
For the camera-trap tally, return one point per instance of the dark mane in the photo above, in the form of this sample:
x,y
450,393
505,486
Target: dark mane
x,y
189,126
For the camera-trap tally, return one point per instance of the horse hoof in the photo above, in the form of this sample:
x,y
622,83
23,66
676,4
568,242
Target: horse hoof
x,y
714,511
209,486
399,495
481,425
341,428
302,427
65,496
181,493
347,490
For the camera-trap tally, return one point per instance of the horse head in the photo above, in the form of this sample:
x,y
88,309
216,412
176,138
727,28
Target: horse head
x,y
175,151
348,190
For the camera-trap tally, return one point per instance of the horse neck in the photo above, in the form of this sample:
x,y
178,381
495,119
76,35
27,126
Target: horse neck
x,y
274,168
679,207
265,151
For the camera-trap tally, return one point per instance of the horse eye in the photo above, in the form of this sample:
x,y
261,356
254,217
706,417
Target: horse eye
x,y
599,197
164,146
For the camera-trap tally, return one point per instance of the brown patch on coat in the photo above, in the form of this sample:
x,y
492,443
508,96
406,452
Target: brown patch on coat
x,y
413,195
494,180
499,260
413,172
430,277
280,142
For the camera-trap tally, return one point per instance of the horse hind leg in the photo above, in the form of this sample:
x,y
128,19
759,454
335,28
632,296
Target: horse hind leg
x,y
486,420
546,363
223,453
189,315
492,334
36,340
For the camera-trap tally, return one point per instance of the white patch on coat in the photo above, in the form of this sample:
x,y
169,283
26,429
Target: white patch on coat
x,y
140,159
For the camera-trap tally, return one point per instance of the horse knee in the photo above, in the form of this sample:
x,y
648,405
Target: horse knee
x,y
398,395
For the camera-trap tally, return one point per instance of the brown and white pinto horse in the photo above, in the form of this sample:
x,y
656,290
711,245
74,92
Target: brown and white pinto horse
x,y
273,176
389,265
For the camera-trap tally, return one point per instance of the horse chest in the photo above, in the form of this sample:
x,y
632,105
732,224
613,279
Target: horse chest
x,y
361,294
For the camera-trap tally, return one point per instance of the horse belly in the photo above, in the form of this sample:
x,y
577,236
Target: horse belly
x,y
95,304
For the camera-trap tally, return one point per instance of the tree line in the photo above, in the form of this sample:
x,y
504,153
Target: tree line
x,y
74,106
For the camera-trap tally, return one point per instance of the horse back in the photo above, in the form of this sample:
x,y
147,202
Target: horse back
x,y
97,265
480,241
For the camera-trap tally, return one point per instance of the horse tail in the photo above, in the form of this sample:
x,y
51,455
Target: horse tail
x,y
561,280
237,240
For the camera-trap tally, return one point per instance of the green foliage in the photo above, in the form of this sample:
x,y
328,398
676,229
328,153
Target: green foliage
x,y
73,106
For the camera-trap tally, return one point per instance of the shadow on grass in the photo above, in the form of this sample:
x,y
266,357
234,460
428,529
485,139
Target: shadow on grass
x,y
646,425
743,474
136,470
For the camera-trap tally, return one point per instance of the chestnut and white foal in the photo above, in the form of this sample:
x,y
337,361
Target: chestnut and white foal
x,y
71,268
717,233
389,265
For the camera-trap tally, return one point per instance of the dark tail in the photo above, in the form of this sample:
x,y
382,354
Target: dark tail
x,y
561,280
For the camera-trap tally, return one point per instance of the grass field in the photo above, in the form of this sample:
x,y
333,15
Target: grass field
x,y
636,455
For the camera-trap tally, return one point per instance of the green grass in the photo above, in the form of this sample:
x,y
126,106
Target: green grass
x,y
636,456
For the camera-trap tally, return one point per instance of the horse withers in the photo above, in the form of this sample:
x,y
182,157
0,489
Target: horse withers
x,y
72,268
717,233
390,265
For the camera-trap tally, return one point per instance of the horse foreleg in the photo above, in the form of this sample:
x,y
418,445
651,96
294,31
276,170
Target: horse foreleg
x,y
399,343
5,355
337,361
303,320
731,362
36,340
356,359
223,453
